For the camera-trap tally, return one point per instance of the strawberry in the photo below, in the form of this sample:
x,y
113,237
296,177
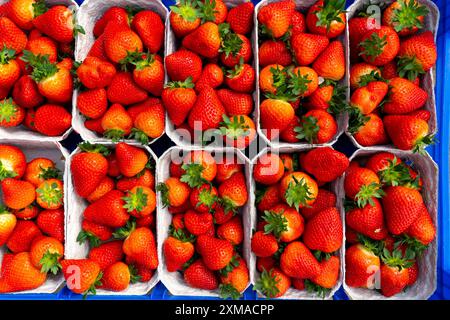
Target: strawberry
x,y
94,233
372,132
298,262
51,223
207,111
43,46
149,74
149,124
317,126
235,281
265,263
199,165
298,189
406,17
140,202
145,179
276,17
54,83
17,194
274,52
216,253
362,184
183,64
198,223
117,277
402,206
131,160
328,275
9,68
271,76
326,18
423,228
146,105
22,12
52,120
325,199
213,10
234,47
26,94
177,251
413,274
12,162
361,267
116,122
140,245
46,253
40,169
235,103
184,18
232,231
7,224
316,162
381,161
233,191
124,90
22,236
273,283
285,223
11,115
150,29
205,40
174,192
379,46
358,28
116,14
324,231
88,168
204,198
108,210
304,81
368,220
394,272
212,76
408,132
421,114
307,47
82,276
179,98
119,42
92,103
264,245
27,213
241,78
269,169
404,97
240,18
11,36
98,49
96,73
107,254
58,23
49,194
367,98
21,275
106,185
330,64
362,73
275,116
198,275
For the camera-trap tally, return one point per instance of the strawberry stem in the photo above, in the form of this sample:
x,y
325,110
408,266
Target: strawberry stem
x,y
135,201
267,284
366,194
276,223
228,291
50,262
297,193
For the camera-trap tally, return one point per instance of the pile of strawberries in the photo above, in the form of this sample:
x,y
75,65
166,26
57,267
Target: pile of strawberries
x,y
388,64
119,221
388,224
211,74
301,64
31,220
206,233
299,233
122,77
36,59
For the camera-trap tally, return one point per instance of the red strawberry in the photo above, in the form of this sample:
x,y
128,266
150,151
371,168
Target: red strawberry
x,y
329,273
330,64
361,73
326,18
207,111
212,76
240,18
368,220
361,267
241,78
273,283
22,236
408,132
394,275
184,18
233,191
316,162
107,254
404,97
116,14
267,198
372,132
205,40
17,194
379,46
144,179
57,23
52,120
51,222
324,231
274,52
94,233
421,114
325,199
198,223
22,12
124,90
177,251
276,17
423,228
284,222
150,28
119,42
95,125
298,262
317,126
11,115
183,64
116,122
197,275
179,98
26,94
405,17
92,103
235,103
216,253
264,245
96,73
11,36
234,47
307,47
108,210
82,276
362,184
367,98
8,222
232,231
131,159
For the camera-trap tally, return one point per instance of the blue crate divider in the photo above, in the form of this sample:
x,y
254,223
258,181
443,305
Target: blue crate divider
x,y
439,152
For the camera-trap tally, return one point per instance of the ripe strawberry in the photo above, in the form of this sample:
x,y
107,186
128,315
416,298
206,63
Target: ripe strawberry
x,y
408,132
27,213
207,111
184,18
21,275
40,169
131,160
324,231
275,116
362,73
140,246
26,94
149,124
234,47
12,162
179,98
326,18
330,64
204,198
92,103
22,12
43,46
22,236
150,29
233,191
58,23
368,98
145,179
145,105
404,97
198,275
276,17
270,76
174,192
423,228
361,267
52,120
240,18
205,40
140,201
325,199
149,74
235,281
317,126
96,73
212,76
216,253
241,78
328,275
46,253
406,17
285,223
199,165
273,283
298,189
11,36
368,220
264,245
238,131
307,47
421,114
11,115
183,64
117,277
9,68
107,254
358,28
274,52
298,262
116,122
413,274
49,194
94,233
305,81
82,275
316,162
235,103
17,194
8,222
198,223
116,14
362,184
120,41
372,132
177,251
232,231
51,223
108,210
394,277
379,46
124,90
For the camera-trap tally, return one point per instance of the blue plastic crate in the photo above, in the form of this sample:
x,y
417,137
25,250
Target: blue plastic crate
x,y
439,152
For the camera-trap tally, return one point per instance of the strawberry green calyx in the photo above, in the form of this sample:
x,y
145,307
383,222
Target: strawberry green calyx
x,y
181,234
374,75
281,81
50,262
181,84
237,70
397,259
207,199
50,193
297,193
374,246
308,130
139,136
408,15
124,232
314,288
135,201
227,291
6,55
279,252
134,276
4,210
95,148
422,143
356,119
93,288
5,172
338,103
207,10
259,194
409,67
234,128
367,193
234,263
114,134
322,256
231,43
187,9
42,67
8,110
228,205
84,236
39,8
297,83
412,243
267,284
276,223
396,174
50,173
329,12
193,175
164,191
133,58
373,46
